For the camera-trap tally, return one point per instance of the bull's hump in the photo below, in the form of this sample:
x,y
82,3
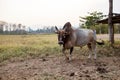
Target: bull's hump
x,y
83,32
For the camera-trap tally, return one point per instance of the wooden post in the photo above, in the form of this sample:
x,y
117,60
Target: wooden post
x,y
110,23
119,28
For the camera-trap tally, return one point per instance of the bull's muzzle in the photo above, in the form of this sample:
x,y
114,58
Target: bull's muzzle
x,y
60,42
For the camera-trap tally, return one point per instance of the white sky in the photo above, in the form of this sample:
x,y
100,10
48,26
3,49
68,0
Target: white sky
x,y
51,12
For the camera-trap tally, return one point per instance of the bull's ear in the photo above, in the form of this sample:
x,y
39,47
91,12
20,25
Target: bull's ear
x,y
56,31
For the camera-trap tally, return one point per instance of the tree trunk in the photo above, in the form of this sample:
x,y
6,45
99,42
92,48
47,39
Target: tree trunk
x,y
110,24
100,32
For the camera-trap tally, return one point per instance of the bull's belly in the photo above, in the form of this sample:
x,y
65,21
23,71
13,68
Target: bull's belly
x,y
81,43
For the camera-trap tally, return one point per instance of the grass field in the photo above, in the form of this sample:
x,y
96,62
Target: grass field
x,y
33,46
27,45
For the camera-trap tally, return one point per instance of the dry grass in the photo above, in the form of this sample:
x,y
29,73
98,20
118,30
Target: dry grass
x,y
27,45
36,45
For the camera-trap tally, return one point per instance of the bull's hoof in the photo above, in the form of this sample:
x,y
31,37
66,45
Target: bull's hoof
x,y
67,59
95,59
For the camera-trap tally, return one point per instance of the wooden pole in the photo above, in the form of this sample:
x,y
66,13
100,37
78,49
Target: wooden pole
x,y
110,23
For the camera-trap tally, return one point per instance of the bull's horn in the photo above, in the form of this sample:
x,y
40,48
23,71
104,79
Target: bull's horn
x,y
56,28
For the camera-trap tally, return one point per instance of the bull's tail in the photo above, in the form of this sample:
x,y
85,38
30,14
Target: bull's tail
x,y
99,43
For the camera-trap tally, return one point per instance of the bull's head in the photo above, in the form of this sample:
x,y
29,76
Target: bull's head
x,y
61,35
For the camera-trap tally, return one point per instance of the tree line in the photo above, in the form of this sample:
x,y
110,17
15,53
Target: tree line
x,y
12,28
88,22
44,30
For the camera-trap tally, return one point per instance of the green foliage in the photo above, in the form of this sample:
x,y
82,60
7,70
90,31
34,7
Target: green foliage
x,y
1,31
117,28
91,19
101,28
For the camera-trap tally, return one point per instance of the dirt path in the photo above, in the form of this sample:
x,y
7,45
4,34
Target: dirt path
x,y
56,68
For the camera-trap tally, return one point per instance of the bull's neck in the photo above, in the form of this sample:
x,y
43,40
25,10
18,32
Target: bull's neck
x,y
68,38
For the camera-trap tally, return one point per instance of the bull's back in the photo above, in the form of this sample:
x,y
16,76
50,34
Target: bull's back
x,y
83,36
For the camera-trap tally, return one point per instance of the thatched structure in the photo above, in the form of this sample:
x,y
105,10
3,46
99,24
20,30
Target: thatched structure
x,y
115,19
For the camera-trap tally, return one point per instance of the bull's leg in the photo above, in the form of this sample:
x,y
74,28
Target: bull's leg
x,y
90,48
94,50
71,50
63,50
95,57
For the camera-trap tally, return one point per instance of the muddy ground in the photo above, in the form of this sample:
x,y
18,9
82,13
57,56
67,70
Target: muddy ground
x,y
56,68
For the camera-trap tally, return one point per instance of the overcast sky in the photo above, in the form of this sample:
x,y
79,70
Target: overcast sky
x,y
51,12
